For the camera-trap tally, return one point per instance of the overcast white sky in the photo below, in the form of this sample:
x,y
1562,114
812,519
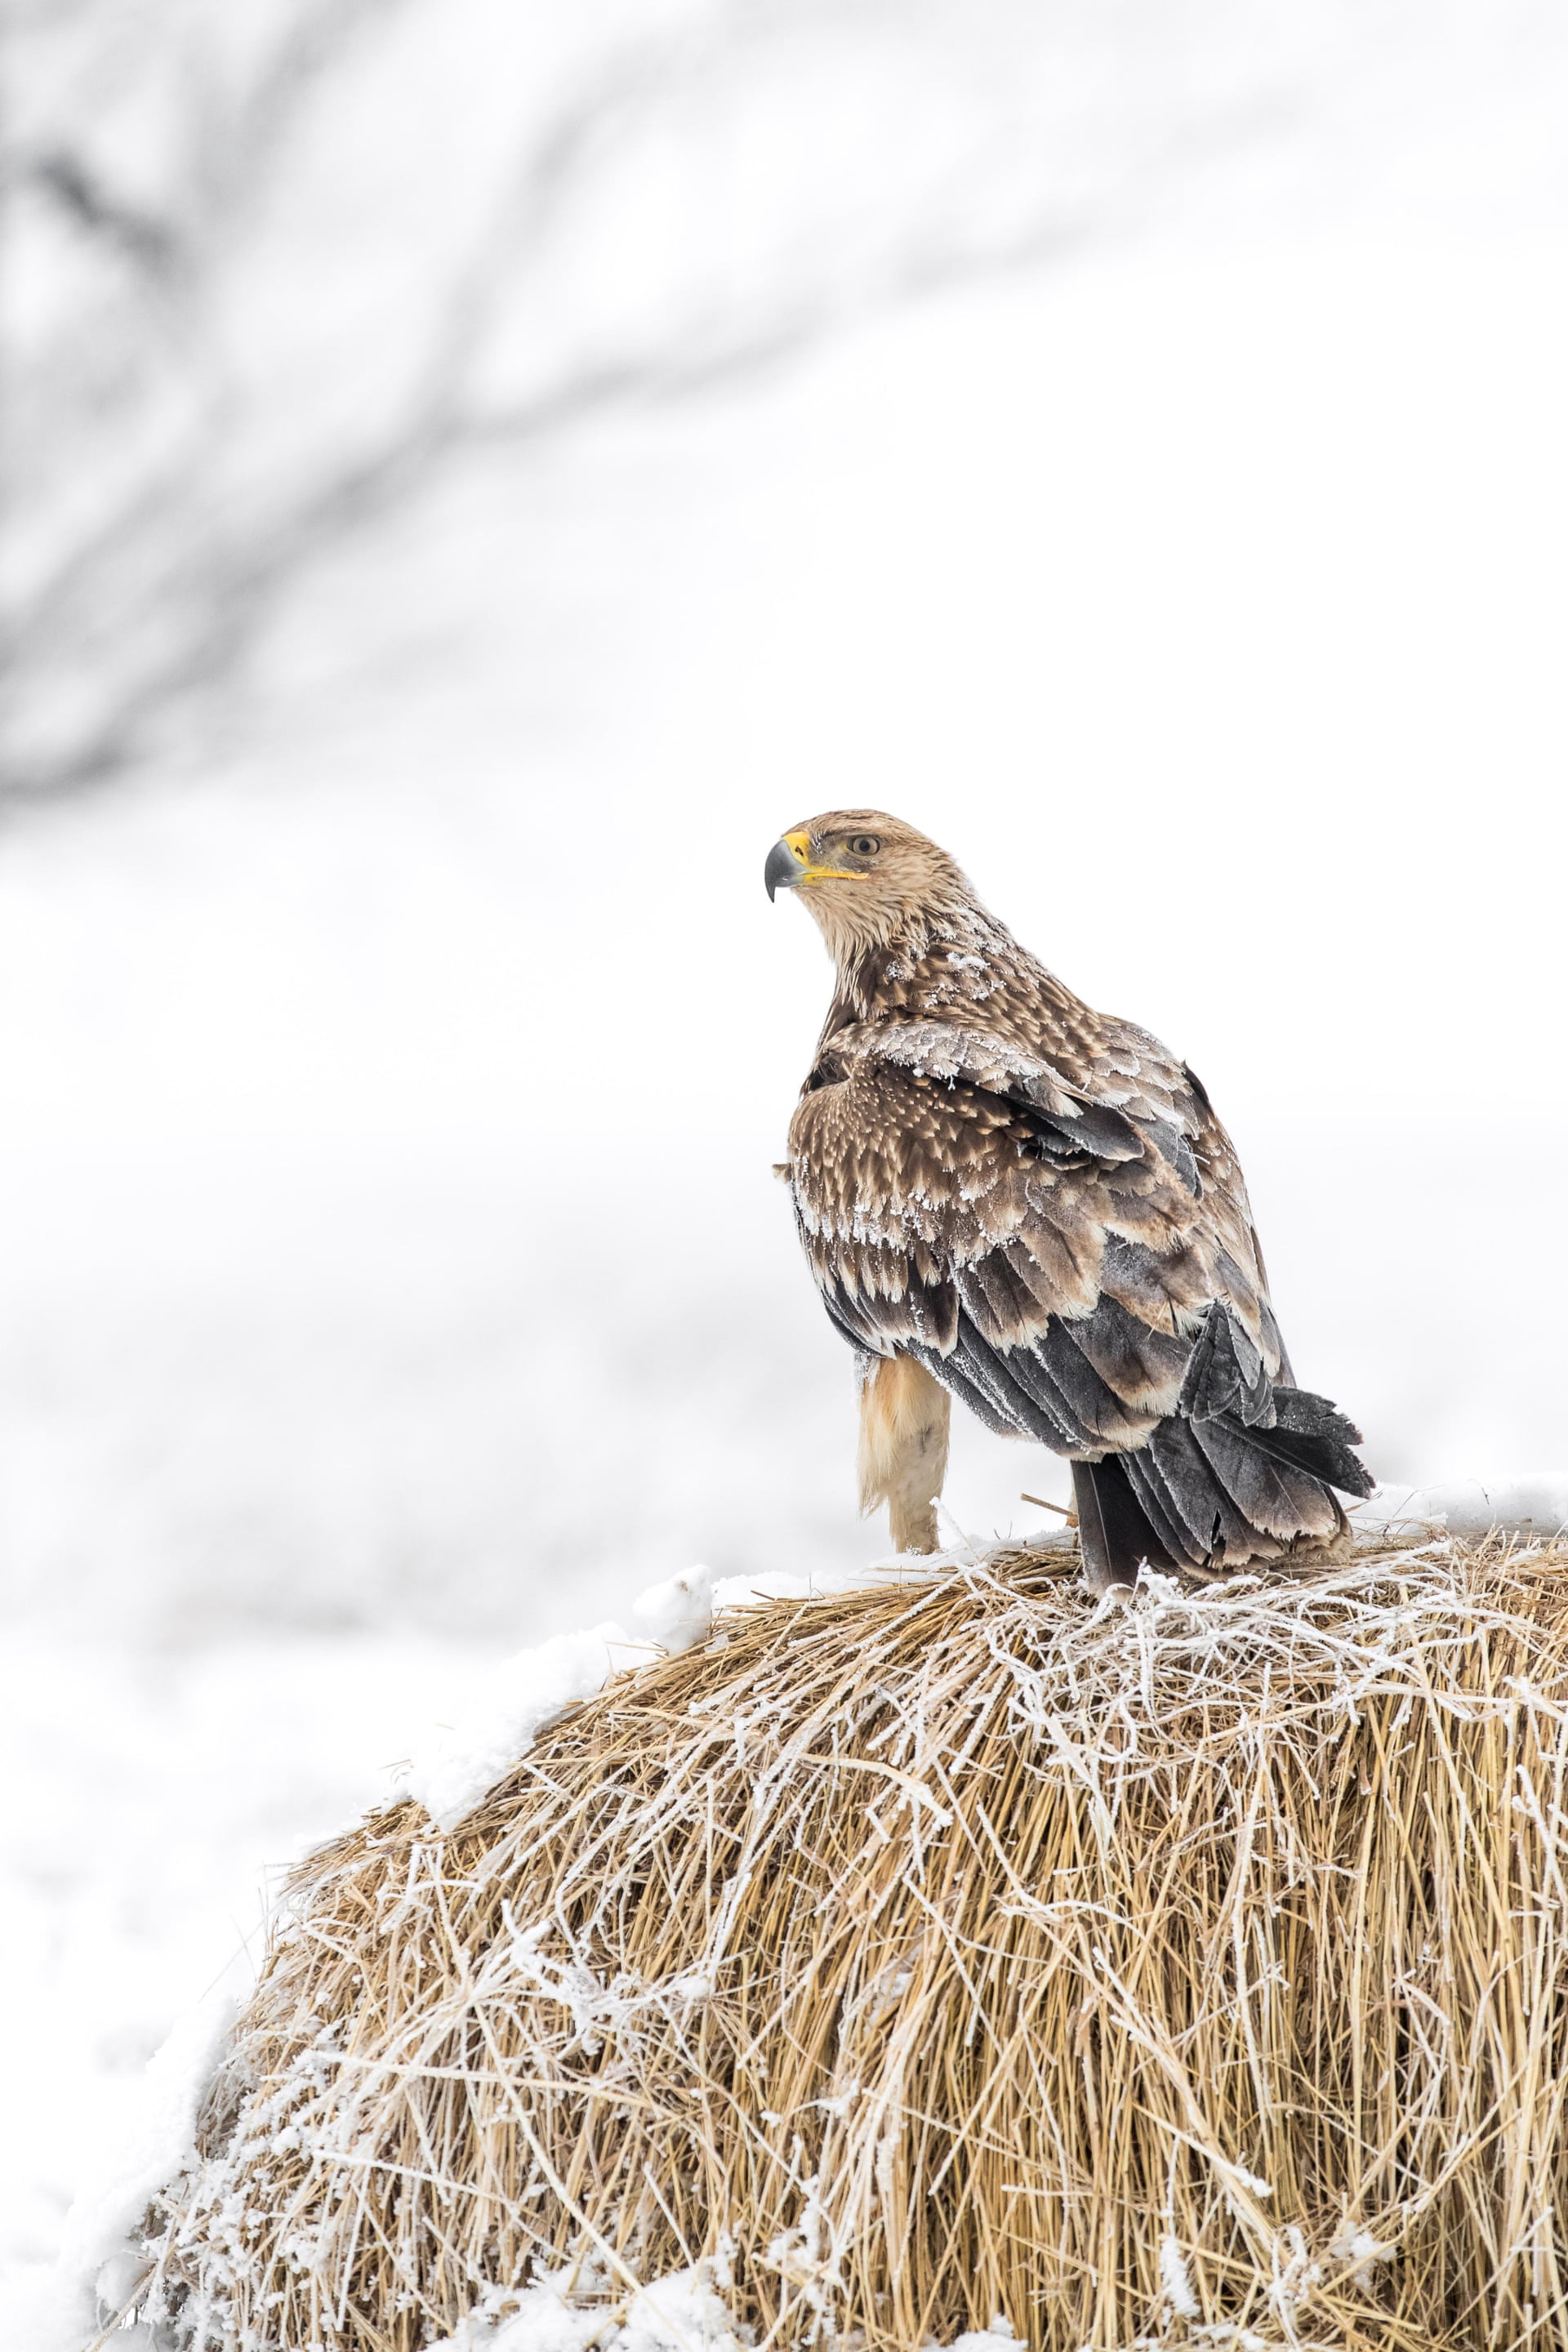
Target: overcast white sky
x,y
1157,491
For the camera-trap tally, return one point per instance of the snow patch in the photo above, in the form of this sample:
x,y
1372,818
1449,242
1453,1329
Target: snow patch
x,y
682,2313
516,1702
1176,2286
1360,2251
509,1710
1533,1505
677,2312
523,1696
537,2319
679,1612
822,1584
98,2266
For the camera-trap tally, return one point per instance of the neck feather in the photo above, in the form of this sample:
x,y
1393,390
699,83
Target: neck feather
x,y
936,962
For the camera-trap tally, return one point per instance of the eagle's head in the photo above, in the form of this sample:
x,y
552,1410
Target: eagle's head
x,y
866,877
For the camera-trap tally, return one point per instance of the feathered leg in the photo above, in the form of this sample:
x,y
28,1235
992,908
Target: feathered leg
x,y
904,1419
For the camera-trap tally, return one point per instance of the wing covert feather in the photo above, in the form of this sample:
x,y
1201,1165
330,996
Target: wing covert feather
x,y
1045,1218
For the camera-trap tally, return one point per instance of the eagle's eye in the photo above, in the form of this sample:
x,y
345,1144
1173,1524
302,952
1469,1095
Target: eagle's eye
x,y
864,844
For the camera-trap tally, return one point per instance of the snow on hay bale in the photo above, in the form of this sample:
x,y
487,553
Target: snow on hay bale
x,y
945,1954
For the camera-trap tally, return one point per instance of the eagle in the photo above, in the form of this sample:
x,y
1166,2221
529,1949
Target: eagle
x,y
1011,1199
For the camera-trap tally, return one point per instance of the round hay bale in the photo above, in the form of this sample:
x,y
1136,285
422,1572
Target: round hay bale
x,y
1191,1970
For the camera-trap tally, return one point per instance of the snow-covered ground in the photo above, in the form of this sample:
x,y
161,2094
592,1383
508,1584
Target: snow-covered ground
x,y
393,1065
156,1794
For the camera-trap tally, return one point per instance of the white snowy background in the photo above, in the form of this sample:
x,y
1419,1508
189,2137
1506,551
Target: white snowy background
x,y
482,473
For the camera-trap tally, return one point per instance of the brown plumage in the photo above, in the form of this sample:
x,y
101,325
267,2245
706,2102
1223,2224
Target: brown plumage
x,y
1007,1197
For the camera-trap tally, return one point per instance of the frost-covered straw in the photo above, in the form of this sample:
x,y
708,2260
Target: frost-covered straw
x,y
946,1949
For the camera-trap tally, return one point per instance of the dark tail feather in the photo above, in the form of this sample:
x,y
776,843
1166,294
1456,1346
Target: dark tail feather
x,y
1113,1528
1315,1436
1207,1495
1242,1470
1225,1383
1156,1505
1213,1492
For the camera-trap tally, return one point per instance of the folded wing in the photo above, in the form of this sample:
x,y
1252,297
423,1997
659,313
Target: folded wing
x,y
1073,1257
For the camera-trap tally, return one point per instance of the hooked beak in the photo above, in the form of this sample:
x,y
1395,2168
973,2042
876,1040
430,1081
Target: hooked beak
x,y
788,863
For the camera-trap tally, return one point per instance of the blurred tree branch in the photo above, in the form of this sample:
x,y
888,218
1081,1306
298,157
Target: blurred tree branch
x,y
275,268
